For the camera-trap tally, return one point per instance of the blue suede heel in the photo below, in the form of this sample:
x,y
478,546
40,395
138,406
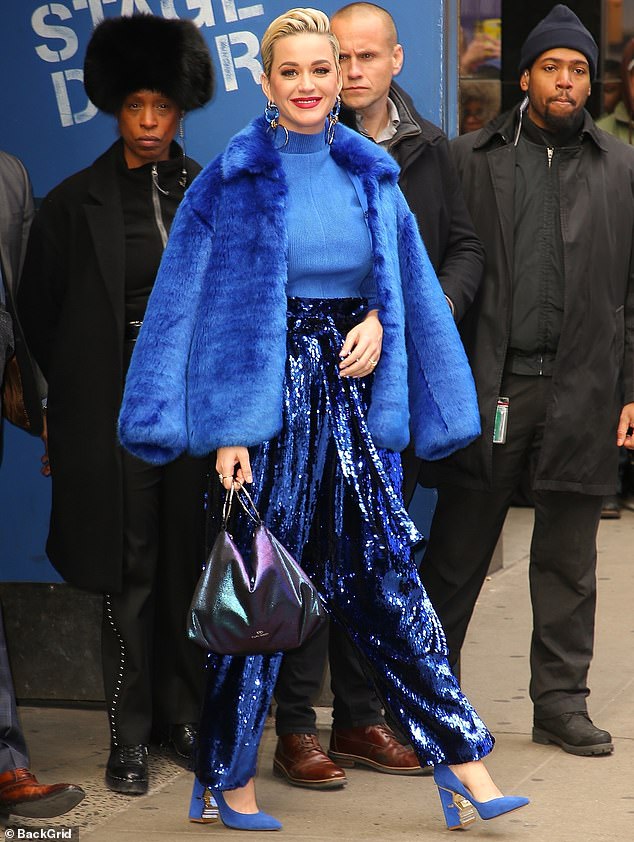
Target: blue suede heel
x,y
243,821
202,807
207,805
458,804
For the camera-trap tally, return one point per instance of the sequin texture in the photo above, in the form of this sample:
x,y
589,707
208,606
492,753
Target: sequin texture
x,y
333,499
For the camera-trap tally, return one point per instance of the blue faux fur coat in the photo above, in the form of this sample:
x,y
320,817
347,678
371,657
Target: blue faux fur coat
x,y
209,362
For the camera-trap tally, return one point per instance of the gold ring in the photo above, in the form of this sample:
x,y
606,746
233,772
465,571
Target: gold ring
x,y
372,362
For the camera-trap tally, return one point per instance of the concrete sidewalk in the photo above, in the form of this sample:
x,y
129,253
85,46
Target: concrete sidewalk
x,y
573,798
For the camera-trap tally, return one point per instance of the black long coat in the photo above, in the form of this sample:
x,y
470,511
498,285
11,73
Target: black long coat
x,y
594,368
71,302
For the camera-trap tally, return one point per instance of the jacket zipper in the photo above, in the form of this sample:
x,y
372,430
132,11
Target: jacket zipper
x,y
549,152
156,202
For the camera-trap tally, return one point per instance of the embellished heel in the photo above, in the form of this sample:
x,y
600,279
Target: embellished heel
x,y
459,805
203,807
458,811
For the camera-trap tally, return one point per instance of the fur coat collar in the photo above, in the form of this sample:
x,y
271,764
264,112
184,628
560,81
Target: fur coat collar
x,y
208,366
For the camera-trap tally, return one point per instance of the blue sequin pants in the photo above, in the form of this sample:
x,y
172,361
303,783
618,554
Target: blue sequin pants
x,y
333,499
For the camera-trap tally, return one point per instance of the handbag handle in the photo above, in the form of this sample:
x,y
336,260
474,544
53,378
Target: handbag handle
x,y
250,509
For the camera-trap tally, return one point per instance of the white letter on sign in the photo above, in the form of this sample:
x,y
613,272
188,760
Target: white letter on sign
x,y
247,60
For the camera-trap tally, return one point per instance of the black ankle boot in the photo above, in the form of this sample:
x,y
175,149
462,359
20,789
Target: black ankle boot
x,y
574,732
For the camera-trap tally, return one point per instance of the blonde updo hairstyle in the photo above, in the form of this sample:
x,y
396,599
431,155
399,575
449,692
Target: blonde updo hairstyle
x,y
296,22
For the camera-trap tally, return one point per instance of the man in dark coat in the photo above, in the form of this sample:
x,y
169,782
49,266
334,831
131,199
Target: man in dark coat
x,y
370,58
378,108
16,215
20,791
550,338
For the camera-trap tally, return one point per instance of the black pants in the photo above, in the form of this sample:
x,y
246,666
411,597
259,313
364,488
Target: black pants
x,y
411,470
153,675
465,530
299,681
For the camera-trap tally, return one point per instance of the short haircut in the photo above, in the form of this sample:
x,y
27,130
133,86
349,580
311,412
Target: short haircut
x,y
371,8
296,22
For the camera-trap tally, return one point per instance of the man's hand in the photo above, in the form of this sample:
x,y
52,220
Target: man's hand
x,y
625,430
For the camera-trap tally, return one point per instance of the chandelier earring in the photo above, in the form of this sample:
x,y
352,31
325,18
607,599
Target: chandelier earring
x,y
271,114
272,117
333,119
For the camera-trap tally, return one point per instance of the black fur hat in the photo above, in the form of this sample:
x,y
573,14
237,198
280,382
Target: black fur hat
x,y
144,52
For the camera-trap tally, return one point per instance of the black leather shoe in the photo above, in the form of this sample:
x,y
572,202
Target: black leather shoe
x,y
180,741
574,732
127,769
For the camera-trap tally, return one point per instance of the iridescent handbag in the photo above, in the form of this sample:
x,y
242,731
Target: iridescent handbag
x,y
271,607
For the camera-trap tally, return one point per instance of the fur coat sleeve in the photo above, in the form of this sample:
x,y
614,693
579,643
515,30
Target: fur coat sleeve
x,y
442,398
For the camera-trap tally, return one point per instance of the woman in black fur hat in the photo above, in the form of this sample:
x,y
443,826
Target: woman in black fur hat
x,y
118,526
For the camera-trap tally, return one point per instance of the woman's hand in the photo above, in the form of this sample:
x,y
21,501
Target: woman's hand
x,y
362,348
233,466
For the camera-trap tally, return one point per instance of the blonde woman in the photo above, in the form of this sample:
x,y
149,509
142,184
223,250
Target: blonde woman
x,y
298,329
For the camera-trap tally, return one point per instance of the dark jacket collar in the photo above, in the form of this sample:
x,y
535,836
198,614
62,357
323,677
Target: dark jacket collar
x,y
502,129
427,131
416,126
252,151
103,172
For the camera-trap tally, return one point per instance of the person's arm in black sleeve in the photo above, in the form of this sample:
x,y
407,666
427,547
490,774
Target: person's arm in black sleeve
x,y
42,285
460,270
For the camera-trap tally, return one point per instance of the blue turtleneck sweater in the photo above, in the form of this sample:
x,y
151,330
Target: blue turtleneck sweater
x,y
329,248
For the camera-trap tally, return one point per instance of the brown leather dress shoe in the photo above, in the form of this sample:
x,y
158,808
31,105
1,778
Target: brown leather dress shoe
x,y
22,795
302,761
374,746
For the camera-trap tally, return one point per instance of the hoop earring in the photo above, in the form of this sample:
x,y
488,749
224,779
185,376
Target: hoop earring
x,y
272,117
333,119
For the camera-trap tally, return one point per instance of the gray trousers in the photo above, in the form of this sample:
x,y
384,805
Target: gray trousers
x,y
13,751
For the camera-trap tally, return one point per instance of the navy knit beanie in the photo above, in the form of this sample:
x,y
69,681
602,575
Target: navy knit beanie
x,y
560,28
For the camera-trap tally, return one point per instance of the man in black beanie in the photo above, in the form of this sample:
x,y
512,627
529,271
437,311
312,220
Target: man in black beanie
x,y
551,343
